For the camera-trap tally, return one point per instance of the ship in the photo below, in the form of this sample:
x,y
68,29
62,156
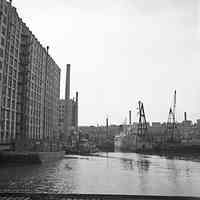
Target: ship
x,y
134,138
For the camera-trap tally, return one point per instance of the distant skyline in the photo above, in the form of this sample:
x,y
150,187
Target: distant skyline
x,y
121,52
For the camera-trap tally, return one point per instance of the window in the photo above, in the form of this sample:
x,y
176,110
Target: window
x,y
10,70
8,114
3,30
11,60
4,20
0,65
9,81
15,65
17,43
16,52
2,42
14,84
13,116
8,103
1,52
9,92
12,49
13,104
18,33
15,73
5,9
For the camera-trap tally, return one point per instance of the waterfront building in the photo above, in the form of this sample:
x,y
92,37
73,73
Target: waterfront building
x,y
68,113
11,28
72,117
198,124
29,84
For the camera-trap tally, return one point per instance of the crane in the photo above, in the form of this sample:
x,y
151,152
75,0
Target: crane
x,y
174,108
142,126
171,122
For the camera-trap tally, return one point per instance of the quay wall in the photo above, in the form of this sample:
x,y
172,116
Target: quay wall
x,y
30,157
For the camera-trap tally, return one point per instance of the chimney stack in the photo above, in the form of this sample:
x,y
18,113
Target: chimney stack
x,y
67,86
76,111
77,97
130,117
185,116
67,98
107,126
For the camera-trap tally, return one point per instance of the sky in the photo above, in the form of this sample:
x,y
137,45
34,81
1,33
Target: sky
x,y
123,51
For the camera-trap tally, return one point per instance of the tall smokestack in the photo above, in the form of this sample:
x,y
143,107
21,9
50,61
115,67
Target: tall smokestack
x,y
76,111
130,117
67,83
67,98
185,116
107,126
76,96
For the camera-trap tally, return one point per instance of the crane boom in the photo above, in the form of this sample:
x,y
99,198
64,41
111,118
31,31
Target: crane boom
x,y
174,108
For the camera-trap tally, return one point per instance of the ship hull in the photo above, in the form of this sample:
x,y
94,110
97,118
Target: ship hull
x,y
129,144
132,143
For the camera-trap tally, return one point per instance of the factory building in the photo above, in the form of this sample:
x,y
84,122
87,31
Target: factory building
x,y
10,33
29,84
68,112
72,118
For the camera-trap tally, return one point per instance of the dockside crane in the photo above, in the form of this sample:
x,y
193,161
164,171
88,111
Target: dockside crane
x,y
143,139
142,125
142,130
172,133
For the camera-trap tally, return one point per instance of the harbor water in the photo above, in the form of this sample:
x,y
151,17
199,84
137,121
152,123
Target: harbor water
x,y
108,173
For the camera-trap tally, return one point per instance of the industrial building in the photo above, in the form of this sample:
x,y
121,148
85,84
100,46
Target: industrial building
x,y
29,84
68,112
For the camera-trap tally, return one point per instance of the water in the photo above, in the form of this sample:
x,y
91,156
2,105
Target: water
x,y
116,173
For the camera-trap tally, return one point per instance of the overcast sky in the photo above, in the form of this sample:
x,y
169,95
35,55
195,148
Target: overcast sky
x,y
122,51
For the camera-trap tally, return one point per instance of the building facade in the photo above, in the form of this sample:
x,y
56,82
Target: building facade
x,y
72,118
29,83
11,29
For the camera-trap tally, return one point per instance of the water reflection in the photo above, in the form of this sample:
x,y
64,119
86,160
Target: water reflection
x,y
143,165
113,173
127,164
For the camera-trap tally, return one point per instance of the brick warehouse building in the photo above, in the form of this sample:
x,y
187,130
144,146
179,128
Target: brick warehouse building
x,y
29,84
